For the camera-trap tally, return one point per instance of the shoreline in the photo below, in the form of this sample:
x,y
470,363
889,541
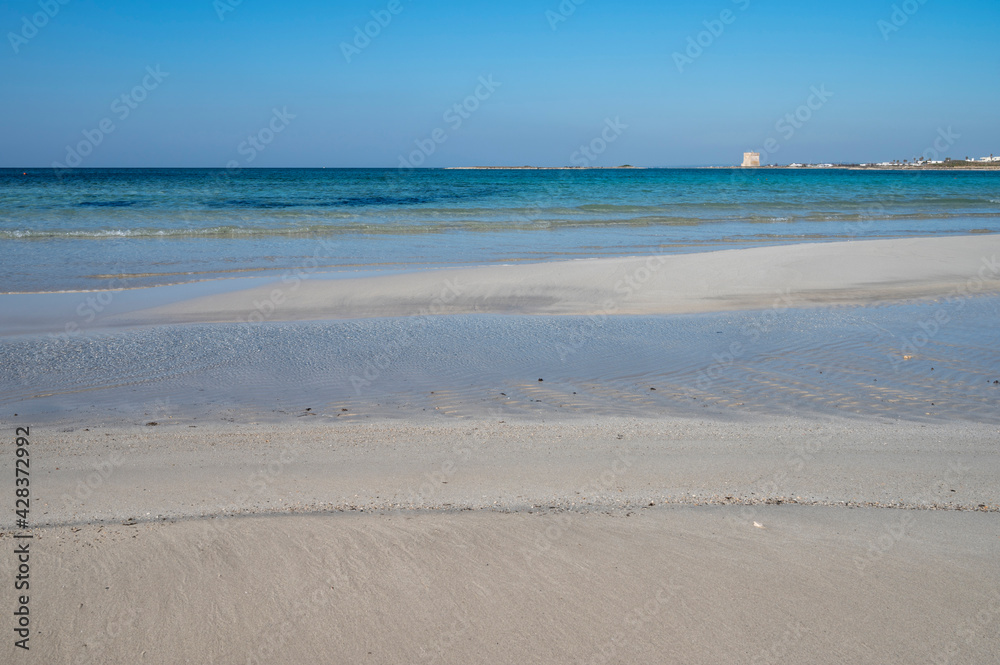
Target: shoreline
x,y
834,167
733,431
873,330
251,276
806,274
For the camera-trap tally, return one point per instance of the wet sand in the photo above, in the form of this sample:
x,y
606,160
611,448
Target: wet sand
x,y
804,274
773,455
927,360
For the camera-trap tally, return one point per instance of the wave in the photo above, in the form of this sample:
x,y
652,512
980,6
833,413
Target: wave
x,y
403,215
348,202
278,202
107,204
503,221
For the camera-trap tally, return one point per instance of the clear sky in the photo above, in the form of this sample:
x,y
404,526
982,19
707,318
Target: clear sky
x,y
559,75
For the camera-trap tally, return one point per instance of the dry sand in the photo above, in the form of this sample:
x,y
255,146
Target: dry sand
x,y
615,541
560,540
662,585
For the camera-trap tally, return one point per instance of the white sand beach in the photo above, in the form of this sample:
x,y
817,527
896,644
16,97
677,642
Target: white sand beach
x,y
460,509
807,274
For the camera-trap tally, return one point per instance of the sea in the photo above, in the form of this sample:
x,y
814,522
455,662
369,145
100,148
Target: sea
x,y
99,229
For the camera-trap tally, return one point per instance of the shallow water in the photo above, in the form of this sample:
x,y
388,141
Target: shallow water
x,y
94,229
883,361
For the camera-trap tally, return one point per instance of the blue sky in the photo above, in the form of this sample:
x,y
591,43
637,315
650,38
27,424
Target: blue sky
x,y
888,89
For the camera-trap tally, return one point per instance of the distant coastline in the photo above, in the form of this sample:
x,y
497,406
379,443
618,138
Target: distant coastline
x,y
955,166
545,168
873,167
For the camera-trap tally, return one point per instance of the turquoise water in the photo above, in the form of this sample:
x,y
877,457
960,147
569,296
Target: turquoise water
x,y
119,228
